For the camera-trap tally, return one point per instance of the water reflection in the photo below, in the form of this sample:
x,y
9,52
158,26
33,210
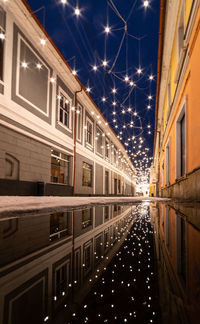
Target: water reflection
x,y
46,259
50,263
177,238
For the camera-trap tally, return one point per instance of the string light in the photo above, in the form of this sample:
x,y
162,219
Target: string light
x,y
52,80
103,99
74,72
77,11
105,63
94,68
107,29
139,71
88,89
2,36
151,77
114,90
24,65
149,97
42,41
146,3
39,66
126,78
63,1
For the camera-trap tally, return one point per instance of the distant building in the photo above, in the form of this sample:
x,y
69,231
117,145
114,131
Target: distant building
x,y
53,138
177,130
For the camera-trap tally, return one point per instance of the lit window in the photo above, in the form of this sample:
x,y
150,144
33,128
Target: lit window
x,y
87,175
99,141
107,148
64,110
86,217
89,132
62,275
79,122
59,167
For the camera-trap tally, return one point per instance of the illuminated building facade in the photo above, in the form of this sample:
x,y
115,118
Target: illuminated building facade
x,y
54,139
177,139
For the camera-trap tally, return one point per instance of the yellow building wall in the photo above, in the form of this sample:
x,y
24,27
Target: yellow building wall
x,y
191,93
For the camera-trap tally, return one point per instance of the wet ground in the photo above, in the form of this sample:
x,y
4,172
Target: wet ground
x,y
135,263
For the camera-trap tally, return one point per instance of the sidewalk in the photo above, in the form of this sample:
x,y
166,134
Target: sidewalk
x,y
15,205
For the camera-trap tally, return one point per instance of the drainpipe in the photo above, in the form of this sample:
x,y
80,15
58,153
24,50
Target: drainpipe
x,y
75,126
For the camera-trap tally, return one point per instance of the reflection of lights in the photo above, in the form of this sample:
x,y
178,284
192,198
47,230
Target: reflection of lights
x,y
43,41
24,65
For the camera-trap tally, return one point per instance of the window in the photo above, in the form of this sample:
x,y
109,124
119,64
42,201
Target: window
x,y
181,31
87,257
99,141
181,249
168,98
107,148
89,132
2,31
106,182
119,186
58,225
59,167
64,110
62,280
182,138
181,144
106,213
87,175
167,164
79,123
86,217
115,156
167,228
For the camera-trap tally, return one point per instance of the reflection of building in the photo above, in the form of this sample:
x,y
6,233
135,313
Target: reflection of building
x,y
177,238
43,258
177,141
54,140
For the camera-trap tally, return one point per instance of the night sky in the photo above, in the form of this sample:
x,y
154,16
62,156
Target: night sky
x,y
84,43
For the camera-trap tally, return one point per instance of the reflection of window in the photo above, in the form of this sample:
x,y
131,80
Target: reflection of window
x,y
64,110
87,175
99,140
86,217
106,239
59,167
87,257
89,132
106,182
106,213
62,280
181,31
181,249
98,248
58,225
119,185
2,31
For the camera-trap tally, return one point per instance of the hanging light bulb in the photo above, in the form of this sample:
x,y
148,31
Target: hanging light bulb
x,y
77,11
149,97
139,70
151,77
126,78
39,66
43,41
103,99
74,72
2,36
24,65
146,3
94,68
114,90
105,63
132,84
63,1
88,89
107,29
114,103
148,107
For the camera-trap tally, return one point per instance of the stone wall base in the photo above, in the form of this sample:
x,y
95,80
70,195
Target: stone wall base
x,y
187,187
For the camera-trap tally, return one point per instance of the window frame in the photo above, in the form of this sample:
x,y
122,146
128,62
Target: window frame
x,y
79,123
91,169
167,163
3,30
61,92
99,130
89,121
182,112
59,156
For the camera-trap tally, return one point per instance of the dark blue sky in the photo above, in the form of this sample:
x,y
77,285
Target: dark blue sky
x,y
83,42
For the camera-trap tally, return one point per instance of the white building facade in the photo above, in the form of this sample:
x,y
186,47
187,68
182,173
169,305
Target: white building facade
x,y
54,139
